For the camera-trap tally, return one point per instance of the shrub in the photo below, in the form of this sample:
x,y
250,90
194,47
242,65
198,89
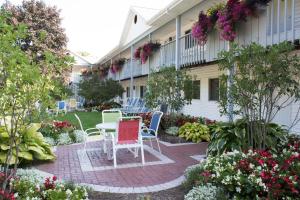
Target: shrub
x,y
32,145
173,130
50,141
205,192
178,120
235,136
195,132
258,174
63,139
29,185
79,136
192,175
146,118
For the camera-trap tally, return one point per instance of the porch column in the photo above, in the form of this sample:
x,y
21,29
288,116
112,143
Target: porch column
x,y
131,71
230,73
177,48
149,38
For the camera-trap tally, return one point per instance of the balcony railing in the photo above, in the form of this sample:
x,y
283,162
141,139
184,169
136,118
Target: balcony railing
x,y
278,22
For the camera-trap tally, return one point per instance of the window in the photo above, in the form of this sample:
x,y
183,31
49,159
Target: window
x,y
196,89
135,19
214,89
127,92
142,91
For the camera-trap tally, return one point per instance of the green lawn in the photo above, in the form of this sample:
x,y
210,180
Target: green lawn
x,y
88,119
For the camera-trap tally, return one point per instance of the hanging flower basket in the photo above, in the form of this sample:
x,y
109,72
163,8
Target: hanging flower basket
x,y
144,52
226,18
117,65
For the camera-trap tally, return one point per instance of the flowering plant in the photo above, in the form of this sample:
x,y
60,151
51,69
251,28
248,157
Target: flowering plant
x,y
23,186
117,65
256,174
226,16
144,52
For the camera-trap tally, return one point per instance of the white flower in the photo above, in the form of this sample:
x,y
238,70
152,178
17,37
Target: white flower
x,y
69,192
238,189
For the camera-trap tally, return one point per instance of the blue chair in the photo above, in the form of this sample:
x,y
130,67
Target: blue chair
x,y
152,132
61,107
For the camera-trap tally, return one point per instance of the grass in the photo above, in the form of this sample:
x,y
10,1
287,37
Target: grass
x,y
88,119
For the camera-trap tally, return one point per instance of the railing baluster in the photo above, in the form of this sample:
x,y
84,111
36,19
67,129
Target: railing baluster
x,y
278,19
285,19
272,21
293,20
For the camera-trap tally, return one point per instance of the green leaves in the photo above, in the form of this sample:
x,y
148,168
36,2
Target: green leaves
x,y
265,82
195,132
170,87
99,91
31,146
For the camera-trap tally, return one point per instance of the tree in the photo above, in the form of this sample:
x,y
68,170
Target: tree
x,y
97,91
169,86
266,81
21,86
45,33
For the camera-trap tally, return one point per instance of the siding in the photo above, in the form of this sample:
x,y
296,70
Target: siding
x,y
204,107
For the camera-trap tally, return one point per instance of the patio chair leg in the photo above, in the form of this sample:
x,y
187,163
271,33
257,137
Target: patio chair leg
x,y
158,145
136,152
142,154
151,143
104,142
115,157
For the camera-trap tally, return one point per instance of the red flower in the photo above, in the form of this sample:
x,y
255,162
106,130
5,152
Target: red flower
x,y
261,162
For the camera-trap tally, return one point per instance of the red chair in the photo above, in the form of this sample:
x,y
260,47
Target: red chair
x,y
128,137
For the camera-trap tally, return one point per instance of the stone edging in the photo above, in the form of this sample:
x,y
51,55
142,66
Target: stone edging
x,y
132,190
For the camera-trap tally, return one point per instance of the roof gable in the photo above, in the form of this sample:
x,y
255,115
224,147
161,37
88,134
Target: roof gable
x,y
133,28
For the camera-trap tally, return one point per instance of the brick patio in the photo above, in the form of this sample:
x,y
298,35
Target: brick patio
x,y
91,166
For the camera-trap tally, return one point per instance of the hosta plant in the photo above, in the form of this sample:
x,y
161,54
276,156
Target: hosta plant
x,y
227,136
195,132
30,143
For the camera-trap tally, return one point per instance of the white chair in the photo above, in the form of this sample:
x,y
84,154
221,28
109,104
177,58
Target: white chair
x,y
110,116
86,132
128,137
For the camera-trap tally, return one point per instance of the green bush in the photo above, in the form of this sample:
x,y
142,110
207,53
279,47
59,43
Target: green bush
x,y
195,132
173,130
192,175
31,144
227,136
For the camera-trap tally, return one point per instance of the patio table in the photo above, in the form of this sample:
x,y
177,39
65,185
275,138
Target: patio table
x,y
107,146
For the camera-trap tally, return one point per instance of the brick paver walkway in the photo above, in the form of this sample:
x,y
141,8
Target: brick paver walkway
x,y
70,165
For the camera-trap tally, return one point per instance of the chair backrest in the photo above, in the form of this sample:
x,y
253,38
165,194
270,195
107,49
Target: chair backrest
x,y
155,120
72,103
79,121
129,101
134,102
61,105
110,116
128,131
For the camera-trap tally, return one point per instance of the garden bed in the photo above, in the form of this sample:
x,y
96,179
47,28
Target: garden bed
x,y
172,138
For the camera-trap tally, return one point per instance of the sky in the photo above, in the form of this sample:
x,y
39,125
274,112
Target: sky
x,y
95,26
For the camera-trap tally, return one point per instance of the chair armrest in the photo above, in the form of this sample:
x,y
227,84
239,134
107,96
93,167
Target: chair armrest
x,y
90,129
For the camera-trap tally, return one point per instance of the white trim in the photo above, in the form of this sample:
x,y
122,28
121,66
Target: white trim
x,y
199,157
86,165
168,144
